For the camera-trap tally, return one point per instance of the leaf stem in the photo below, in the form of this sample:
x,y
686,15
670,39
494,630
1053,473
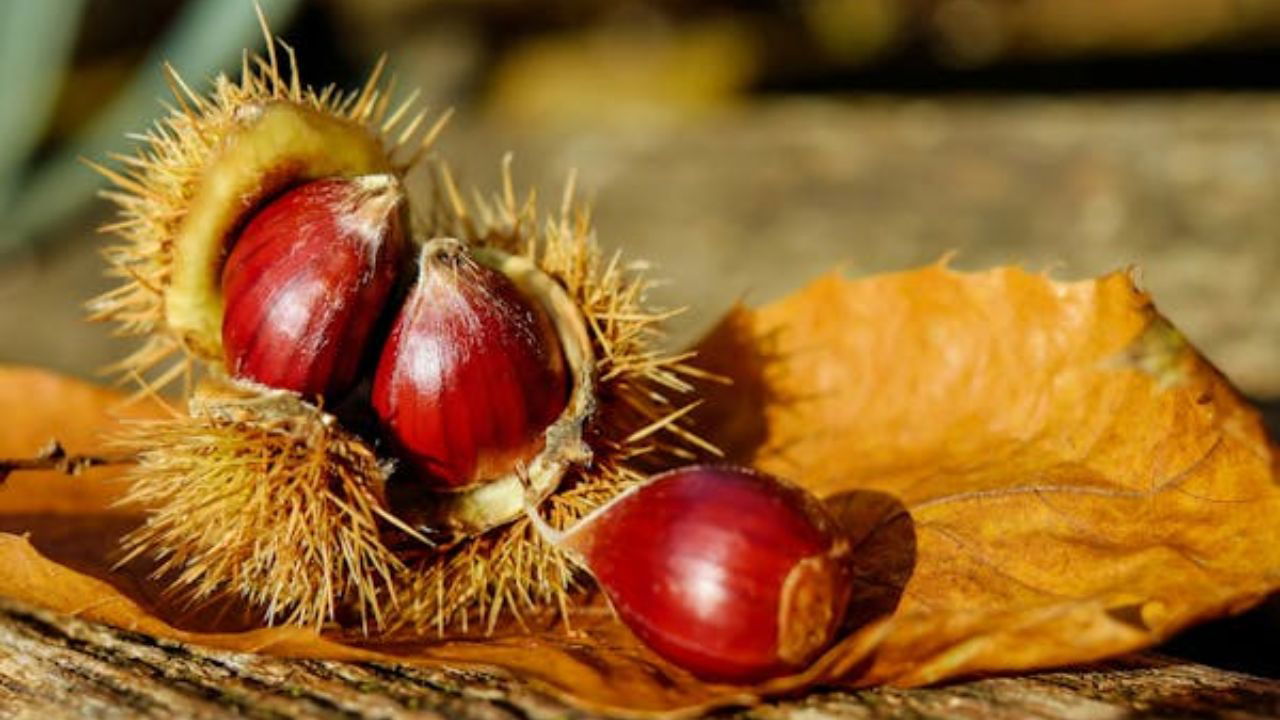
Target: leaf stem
x,y
54,457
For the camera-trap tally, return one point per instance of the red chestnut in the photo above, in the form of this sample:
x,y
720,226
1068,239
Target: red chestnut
x,y
471,375
307,281
727,572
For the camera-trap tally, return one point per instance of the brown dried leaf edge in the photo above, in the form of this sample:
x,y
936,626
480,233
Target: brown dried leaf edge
x,y
1034,473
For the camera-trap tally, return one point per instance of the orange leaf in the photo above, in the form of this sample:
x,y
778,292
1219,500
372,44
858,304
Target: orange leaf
x,y
1034,473
1049,472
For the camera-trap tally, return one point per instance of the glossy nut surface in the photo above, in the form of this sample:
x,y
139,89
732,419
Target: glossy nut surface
x,y
471,375
726,572
307,282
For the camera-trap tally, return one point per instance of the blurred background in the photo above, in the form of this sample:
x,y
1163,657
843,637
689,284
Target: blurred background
x,y
743,147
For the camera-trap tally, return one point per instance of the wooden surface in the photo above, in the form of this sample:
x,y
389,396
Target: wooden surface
x,y
58,667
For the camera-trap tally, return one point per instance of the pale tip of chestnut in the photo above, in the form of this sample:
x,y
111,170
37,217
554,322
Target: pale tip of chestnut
x,y
451,250
372,202
812,605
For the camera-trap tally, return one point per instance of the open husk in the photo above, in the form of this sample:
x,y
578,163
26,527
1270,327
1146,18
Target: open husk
x,y
637,423
360,550
208,163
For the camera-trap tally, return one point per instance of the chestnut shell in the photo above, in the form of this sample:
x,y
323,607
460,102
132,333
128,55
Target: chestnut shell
x,y
450,515
471,375
307,281
730,573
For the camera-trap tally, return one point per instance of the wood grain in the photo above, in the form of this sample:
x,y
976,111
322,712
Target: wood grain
x,y
54,666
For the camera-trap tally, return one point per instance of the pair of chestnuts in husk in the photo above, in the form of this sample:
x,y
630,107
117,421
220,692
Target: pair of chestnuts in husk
x,y
467,373
727,572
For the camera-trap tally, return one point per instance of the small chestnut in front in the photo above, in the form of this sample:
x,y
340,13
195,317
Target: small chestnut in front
x,y
471,375
306,284
727,572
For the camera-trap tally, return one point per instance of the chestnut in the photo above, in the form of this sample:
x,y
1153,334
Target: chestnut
x,y
471,375
730,573
306,284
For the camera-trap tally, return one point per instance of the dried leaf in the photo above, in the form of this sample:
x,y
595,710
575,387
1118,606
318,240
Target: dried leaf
x,y
1034,473
1048,472
39,407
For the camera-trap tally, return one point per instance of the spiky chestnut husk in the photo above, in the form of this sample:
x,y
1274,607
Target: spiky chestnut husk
x,y
257,493
207,165
636,427
203,168
198,175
